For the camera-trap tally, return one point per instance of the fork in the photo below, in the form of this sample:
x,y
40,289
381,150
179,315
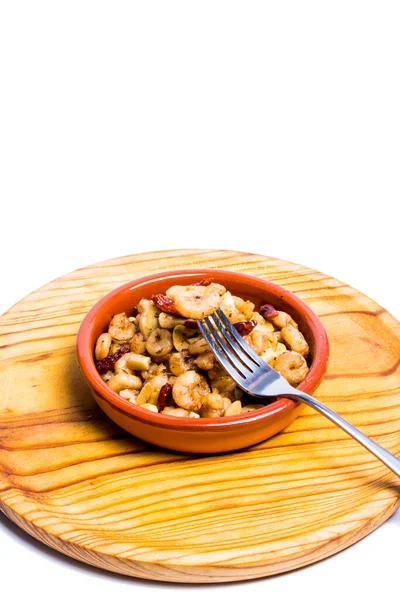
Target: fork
x,y
254,376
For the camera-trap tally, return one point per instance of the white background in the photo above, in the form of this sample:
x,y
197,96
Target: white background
x,y
269,127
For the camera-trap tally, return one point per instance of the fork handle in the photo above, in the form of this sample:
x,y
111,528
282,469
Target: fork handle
x,y
385,456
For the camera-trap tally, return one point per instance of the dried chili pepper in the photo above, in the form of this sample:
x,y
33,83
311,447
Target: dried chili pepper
x,y
245,327
206,281
268,311
165,396
108,363
165,304
191,324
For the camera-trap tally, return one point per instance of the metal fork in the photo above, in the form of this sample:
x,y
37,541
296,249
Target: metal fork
x,y
255,377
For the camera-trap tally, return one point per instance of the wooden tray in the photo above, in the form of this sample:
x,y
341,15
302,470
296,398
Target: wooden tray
x,y
78,483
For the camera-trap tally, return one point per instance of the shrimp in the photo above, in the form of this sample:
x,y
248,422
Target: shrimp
x,y
103,346
270,354
229,309
205,361
261,338
218,288
124,381
159,342
180,362
220,380
245,307
295,339
260,319
189,390
194,301
214,406
138,344
281,320
292,366
121,328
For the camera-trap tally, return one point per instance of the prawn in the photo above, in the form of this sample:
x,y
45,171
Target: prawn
x,y
194,301
189,390
213,406
121,328
292,366
294,339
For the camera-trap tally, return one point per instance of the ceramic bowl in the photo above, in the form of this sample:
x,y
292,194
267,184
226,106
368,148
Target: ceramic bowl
x,y
200,435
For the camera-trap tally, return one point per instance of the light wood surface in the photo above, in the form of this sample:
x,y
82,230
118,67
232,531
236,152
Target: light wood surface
x,y
78,483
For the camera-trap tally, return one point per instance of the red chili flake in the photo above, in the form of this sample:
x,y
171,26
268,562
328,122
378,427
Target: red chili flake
x,y
206,281
245,327
165,304
191,324
165,396
268,311
108,363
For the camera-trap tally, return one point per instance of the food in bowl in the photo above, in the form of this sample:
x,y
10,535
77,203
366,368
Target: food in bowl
x,y
200,435
157,359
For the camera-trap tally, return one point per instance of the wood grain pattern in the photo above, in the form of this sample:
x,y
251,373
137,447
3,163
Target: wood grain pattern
x,y
78,483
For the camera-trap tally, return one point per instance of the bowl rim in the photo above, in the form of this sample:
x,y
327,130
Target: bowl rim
x,y
87,364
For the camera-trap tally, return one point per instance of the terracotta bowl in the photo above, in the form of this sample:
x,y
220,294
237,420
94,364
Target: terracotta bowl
x,y
200,435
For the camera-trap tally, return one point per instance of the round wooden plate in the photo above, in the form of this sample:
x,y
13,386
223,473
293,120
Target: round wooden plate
x,y
78,483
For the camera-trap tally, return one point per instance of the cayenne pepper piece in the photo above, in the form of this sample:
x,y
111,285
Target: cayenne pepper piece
x,y
191,324
108,363
165,396
268,311
245,327
165,304
206,281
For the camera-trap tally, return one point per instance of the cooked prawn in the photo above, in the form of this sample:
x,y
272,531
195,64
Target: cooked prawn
x,y
194,301
189,389
103,346
205,361
124,381
295,339
213,406
180,362
138,345
282,320
292,366
262,338
220,380
121,328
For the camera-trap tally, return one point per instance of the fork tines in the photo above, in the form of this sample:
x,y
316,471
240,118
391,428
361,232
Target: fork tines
x,y
234,354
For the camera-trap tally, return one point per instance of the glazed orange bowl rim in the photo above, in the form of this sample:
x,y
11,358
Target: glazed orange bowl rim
x,y
85,350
